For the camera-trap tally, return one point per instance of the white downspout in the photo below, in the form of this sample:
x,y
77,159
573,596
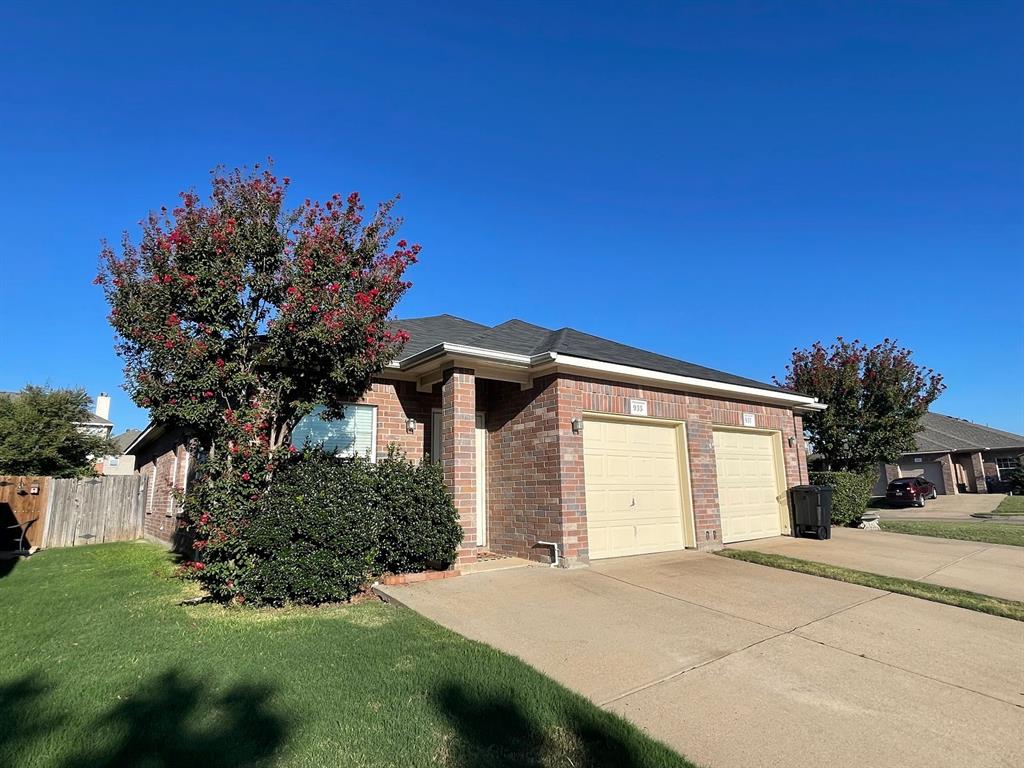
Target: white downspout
x,y
554,547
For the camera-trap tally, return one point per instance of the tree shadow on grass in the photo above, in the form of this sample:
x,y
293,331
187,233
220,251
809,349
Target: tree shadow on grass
x,y
172,721
24,717
496,732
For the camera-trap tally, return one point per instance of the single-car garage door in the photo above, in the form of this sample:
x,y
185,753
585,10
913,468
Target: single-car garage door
x,y
634,499
931,470
748,485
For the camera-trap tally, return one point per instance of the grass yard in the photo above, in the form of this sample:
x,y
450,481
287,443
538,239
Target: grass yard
x,y
103,667
1010,609
992,533
1011,505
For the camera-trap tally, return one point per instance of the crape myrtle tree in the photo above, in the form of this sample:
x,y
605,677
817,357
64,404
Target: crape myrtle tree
x,y
235,317
876,397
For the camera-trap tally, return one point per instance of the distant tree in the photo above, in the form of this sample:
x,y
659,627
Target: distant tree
x,y
875,396
236,316
40,433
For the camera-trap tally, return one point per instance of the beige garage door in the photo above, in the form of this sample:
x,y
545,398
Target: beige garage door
x,y
634,504
748,485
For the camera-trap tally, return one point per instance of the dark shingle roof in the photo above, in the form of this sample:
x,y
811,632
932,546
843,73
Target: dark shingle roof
x,y
519,337
126,438
426,332
941,433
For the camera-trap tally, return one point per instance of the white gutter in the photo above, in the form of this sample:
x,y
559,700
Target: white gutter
x,y
616,370
569,363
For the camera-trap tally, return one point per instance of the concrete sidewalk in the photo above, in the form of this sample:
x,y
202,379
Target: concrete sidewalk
x,y
991,569
735,664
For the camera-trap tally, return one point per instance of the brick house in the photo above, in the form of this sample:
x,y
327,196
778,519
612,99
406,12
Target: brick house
x,y
958,456
560,441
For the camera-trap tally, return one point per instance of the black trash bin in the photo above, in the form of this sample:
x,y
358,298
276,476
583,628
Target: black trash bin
x,y
812,510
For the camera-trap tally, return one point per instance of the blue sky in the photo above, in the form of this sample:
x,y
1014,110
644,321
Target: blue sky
x,y
718,182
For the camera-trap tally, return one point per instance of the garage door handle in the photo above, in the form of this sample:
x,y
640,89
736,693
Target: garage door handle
x,y
632,502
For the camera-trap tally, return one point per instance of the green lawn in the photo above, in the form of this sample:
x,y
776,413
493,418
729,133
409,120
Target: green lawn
x,y
1010,609
992,533
103,667
1011,505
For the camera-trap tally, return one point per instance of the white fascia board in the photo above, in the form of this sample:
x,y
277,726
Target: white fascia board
x,y
139,438
630,373
538,364
447,349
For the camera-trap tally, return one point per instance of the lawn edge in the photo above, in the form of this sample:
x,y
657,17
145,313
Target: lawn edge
x,y
888,527
958,598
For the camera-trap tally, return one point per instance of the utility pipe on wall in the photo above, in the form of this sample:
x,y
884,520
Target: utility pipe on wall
x,y
554,547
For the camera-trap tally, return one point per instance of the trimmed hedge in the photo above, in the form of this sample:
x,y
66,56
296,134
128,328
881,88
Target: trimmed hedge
x,y
851,493
327,526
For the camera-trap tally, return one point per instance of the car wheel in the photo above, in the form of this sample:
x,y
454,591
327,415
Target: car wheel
x,y
919,502
935,493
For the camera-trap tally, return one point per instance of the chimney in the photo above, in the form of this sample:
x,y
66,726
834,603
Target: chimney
x,y
103,405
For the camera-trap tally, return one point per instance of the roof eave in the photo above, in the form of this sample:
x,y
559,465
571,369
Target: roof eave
x,y
545,362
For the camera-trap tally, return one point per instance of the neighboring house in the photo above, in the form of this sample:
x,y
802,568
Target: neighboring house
x,y
958,456
120,463
98,423
559,439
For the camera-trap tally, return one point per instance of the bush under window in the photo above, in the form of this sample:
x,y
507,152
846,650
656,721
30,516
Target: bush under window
x,y
328,525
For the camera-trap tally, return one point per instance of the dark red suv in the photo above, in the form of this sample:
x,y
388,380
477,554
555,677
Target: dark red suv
x,y
910,490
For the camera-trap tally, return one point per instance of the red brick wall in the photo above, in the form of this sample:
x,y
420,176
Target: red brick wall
x,y
163,464
397,402
523,488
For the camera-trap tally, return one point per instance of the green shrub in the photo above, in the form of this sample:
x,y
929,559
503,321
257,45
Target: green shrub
x,y
419,526
328,525
851,493
314,537
1016,480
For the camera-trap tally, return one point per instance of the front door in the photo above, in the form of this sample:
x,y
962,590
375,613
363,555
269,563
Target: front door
x,y
481,480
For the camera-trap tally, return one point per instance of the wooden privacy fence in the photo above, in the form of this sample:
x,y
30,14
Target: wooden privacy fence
x,y
94,510
69,513
23,502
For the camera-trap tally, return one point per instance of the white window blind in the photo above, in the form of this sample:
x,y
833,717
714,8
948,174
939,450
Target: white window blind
x,y
354,435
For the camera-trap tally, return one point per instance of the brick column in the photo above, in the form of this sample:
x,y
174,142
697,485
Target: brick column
x,y
948,478
700,443
458,451
892,472
978,467
572,486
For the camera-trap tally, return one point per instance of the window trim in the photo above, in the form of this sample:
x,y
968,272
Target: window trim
x,y
1000,470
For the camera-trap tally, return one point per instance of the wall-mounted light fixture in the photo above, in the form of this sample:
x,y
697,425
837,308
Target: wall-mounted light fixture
x,y
21,487
410,425
577,426
792,441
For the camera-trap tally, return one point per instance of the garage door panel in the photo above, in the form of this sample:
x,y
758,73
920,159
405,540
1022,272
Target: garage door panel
x,y
634,504
748,490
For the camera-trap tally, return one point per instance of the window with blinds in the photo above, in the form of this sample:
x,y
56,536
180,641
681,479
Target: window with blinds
x,y
354,435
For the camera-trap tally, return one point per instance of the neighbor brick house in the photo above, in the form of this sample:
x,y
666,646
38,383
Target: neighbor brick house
x,y
958,456
560,440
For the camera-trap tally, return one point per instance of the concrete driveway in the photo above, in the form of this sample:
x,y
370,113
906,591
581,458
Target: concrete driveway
x,y
991,569
958,507
735,664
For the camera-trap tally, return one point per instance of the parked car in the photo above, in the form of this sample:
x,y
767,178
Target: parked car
x,y
910,490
